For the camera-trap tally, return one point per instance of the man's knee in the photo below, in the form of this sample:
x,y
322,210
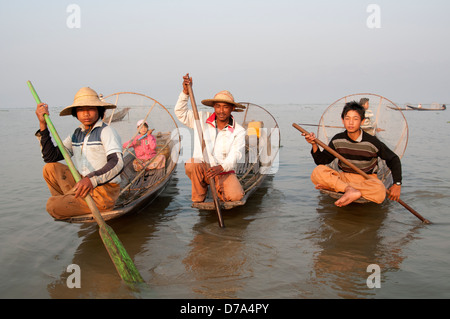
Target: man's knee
x,y
379,191
192,166
318,172
232,188
55,170
49,168
54,208
235,195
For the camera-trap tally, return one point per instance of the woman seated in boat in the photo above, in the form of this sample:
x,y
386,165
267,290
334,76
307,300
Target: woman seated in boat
x,y
96,152
362,150
225,144
144,145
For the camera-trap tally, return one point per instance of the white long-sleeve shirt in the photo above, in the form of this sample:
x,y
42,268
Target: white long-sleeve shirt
x,y
225,147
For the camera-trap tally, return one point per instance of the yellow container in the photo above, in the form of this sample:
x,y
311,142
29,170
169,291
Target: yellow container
x,y
254,128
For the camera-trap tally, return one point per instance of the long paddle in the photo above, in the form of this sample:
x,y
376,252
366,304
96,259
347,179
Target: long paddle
x,y
356,169
322,125
122,261
212,183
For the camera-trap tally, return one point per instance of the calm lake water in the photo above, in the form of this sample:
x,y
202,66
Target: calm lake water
x,y
289,241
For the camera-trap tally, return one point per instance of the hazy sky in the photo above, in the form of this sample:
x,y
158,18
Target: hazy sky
x,y
263,51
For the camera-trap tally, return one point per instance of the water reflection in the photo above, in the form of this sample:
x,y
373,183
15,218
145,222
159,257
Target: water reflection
x,y
219,258
99,278
349,240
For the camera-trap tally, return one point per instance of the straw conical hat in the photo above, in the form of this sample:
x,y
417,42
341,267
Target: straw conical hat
x,y
224,97
86,97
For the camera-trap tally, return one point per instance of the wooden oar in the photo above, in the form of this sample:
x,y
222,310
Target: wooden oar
x,y
212,183
359,171
323,125
122,261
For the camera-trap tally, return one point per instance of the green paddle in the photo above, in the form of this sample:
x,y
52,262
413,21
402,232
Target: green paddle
x,y
122,261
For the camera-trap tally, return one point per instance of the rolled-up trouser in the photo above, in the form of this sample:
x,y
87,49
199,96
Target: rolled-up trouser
x,y
228,187
371,189
63,204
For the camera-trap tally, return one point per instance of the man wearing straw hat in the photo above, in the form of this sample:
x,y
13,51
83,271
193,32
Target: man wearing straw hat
x,y
225,144
96,151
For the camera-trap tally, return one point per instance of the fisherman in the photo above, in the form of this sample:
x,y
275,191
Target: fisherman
x,y
368,125
360,149
96,151
225,144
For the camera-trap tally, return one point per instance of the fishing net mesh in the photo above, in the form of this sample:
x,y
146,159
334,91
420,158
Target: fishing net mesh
x,y
258,121
388,123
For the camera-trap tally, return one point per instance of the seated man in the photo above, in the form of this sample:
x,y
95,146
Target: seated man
x,y
225,144
96,152
362,150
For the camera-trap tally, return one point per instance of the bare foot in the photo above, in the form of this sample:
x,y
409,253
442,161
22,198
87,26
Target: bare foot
x,y
349,197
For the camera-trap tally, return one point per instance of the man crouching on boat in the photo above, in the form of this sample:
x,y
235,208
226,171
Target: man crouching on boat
x,y
225,144
96,151
360,149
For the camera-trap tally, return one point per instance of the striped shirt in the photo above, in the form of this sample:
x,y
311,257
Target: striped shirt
x,y
96,154
363,153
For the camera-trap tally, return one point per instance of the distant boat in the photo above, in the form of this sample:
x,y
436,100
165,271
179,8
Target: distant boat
x,y
433,107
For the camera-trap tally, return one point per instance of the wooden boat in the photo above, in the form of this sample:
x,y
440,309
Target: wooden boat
x,y
433,107
388,119
139,189
262,145
409,107
400,108
116,115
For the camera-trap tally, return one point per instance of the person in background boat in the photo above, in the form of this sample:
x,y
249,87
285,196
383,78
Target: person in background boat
x,y
362,150
225,144
369,124
96,151
144,145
